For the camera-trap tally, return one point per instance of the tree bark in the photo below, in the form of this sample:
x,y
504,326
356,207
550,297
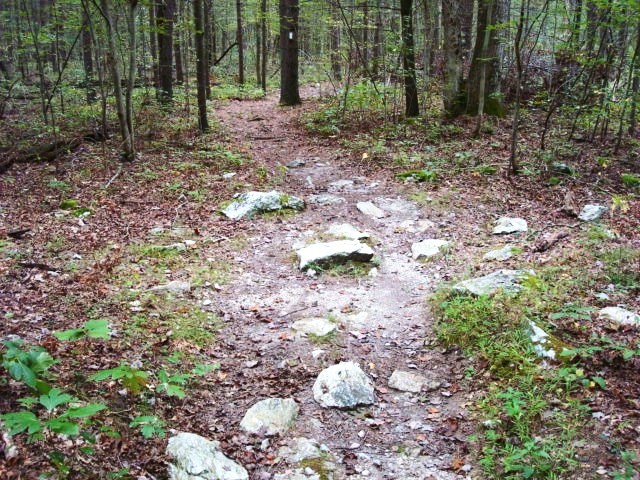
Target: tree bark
x,y
201,65
165,14
153,44
334,44
87,58
412,108
289,89
265,51
453,56
177,44
240,41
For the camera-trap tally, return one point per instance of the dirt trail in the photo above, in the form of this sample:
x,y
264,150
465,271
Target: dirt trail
x,y
383,320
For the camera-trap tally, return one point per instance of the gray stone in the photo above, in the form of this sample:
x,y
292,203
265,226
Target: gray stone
x,y
196,458
296,163
228,175
325,199
272,416
300,448
368,208
346,230
619,316
510,225
506,280
344,385
428,248
251,203
411,382
299,474
562,168
336,252
500,254
590,213
340,185
317,326
177,287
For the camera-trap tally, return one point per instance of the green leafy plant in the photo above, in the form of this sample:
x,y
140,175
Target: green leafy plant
x,y
67,423
149,425
418,175
132,379
90,329
630,180
27,365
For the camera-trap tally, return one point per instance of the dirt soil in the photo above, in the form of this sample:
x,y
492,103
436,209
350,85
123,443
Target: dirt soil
x,y
384,322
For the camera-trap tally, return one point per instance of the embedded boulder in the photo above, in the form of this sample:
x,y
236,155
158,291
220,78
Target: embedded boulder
x,y
505,280
509,225
428,248
619,316
196,458
337,252
344,385
272,416
317,326
248,204
589,213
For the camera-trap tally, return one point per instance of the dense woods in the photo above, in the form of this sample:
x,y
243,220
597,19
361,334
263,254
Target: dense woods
x,y
576,63
465,141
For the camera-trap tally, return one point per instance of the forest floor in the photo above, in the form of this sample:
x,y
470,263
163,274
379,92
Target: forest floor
x,y
102,257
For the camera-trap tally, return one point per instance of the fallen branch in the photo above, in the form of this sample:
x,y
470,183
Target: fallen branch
x,y
39,266
19,233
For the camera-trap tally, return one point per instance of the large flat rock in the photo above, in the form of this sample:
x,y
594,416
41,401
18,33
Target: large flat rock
x,y
339,251
429,248
506,225
500,280
248,204
619,316
196,458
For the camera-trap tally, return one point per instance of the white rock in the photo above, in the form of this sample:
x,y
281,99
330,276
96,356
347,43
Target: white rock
x,y
228,175
510,225
500,254
368,208
196,458
325,199
506,280
344,385
300,448
176,287
339,251
540,340
591,212
340,185
410,382
317,326
619,316
428,248
250,203
271,416
345,230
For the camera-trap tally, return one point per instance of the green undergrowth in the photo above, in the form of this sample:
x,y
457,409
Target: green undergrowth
x,y
350,268
533,413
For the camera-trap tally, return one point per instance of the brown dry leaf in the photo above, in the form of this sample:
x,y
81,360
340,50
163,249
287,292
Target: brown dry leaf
x,y
457,463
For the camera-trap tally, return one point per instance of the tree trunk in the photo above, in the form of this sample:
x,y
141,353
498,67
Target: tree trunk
x,y
87,58
453,56
177,45
210,42
408,59
201,65
165,14
153,44
635,85
240,41
128,151
265,51
289,91
131,30
485,61
377,40
334,44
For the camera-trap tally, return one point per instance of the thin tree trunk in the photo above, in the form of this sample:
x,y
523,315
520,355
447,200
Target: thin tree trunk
x,y
334,44
635,85
87,58
513,160
240,41
412,108
483,71
210,42
177,44
153,44
201,65
128,151
265,51
131,27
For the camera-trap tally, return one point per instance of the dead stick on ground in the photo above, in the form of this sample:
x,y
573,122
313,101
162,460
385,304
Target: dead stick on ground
x,y
118,172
